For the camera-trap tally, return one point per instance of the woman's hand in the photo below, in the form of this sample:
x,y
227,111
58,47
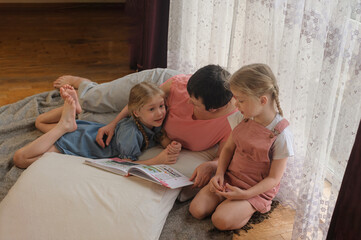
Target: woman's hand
x,y
174,147
203,173
107,131
233,193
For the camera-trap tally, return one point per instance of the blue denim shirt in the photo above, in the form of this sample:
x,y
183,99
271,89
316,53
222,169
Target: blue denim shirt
x,y
127,141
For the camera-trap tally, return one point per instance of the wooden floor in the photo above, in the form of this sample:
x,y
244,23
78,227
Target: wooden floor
x,y
39,43
277,227
42,42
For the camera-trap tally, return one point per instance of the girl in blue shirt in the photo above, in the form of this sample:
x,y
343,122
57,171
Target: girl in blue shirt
x,y
134,134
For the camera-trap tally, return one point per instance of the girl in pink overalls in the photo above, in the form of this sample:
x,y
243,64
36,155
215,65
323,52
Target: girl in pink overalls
x,y
254,157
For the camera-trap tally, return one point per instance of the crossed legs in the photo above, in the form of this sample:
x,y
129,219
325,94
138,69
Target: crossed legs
x,y
226,214
45,143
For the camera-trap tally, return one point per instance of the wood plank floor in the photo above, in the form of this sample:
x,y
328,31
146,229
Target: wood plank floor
x,y
277,227
39,43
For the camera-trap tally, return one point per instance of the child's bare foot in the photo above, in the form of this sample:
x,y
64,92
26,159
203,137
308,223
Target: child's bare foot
x,y
68,79
68,90
67,121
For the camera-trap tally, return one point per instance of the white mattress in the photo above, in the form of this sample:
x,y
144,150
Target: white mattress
x,y
59,197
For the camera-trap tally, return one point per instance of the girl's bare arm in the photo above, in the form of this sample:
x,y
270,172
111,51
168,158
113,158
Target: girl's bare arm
x,y
226,155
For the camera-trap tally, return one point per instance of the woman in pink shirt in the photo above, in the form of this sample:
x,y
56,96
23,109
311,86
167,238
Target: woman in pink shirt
x,y
198,107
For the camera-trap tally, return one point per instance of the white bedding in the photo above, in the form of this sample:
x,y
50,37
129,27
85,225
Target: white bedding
x,y
59,197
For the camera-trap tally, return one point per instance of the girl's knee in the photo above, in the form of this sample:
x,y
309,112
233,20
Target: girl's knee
x,y
222,222
196,210
40,120
37,123
19,159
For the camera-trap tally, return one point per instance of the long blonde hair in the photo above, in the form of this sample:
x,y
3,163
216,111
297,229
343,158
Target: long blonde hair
x,y
140,95
256,80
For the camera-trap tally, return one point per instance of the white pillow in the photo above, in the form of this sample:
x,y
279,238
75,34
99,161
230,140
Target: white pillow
x,y
59,197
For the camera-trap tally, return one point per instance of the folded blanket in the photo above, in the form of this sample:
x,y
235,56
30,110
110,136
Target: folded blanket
x,y
17,128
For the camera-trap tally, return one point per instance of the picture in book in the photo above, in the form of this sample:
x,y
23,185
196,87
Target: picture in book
x,y
164,175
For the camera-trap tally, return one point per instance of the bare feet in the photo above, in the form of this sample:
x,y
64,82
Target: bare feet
x,y
68,79
67,90
67,121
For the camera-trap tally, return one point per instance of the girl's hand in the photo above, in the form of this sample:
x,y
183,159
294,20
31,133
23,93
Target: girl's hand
x,y
216,183
174,147
166,158
107,131
233,193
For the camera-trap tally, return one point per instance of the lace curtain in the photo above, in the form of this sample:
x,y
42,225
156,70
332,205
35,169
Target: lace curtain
x,y
314,49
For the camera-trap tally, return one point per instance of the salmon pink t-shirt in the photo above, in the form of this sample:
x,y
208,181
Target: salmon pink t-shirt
x,y
193,134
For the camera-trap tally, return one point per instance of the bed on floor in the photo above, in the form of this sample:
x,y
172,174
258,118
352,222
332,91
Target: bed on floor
x,y
59,197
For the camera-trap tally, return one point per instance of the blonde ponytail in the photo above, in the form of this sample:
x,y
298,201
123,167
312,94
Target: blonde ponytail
x,y
141,129
278,103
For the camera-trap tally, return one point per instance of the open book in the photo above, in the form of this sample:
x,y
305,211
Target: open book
x,y
161,174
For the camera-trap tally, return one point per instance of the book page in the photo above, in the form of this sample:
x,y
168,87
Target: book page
x,y
161,174
113,165
164,174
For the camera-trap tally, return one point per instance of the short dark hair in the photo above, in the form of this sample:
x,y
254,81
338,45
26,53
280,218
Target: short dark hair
x,y
209,84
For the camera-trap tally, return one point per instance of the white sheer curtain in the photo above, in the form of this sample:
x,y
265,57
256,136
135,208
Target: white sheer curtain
x,y
314,49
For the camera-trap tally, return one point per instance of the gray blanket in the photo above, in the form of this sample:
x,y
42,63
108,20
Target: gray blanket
x,y
17,123
17,128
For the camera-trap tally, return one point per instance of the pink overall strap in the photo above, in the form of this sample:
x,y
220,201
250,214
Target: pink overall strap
x,y
280,126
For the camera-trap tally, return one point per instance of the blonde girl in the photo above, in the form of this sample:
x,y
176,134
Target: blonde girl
x,y
139,131
254,157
